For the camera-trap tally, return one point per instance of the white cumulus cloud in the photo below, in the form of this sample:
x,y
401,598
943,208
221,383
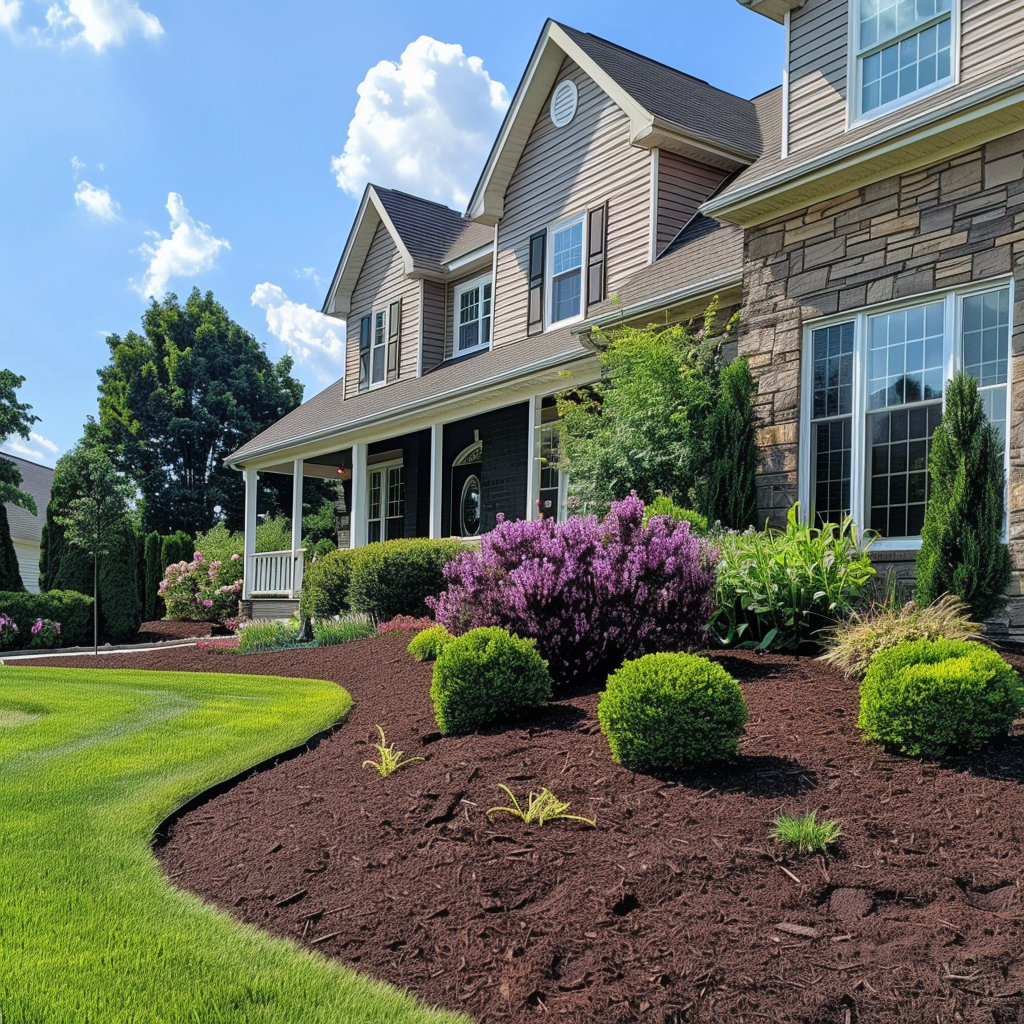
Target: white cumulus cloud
x,y
33,449
94,23
97,201
191,249
423,125
311,338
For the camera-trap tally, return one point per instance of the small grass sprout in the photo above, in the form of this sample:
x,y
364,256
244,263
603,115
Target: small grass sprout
x,y
540,807
805,832
390,759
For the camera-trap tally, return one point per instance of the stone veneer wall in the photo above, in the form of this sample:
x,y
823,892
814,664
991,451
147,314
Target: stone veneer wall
x,y
945,225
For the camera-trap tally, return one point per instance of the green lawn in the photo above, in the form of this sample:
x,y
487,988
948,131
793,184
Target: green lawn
x,y
90,931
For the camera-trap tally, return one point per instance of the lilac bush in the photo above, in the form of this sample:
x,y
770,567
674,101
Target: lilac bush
x,y
591,593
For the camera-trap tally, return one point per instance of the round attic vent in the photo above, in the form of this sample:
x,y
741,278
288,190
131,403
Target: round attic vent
x,y
563,103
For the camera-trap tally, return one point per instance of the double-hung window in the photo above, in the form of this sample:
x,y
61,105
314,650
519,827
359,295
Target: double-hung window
x,y
385,502
566,269
380,342
903,49
875,383
473,300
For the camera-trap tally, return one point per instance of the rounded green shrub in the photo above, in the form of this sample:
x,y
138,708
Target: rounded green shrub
x,y
671,712
325,584
428,644
487,675
932,697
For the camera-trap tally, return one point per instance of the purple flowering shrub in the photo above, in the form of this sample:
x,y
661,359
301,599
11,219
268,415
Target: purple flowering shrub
x,y
200,591
591,593
8,631
45,633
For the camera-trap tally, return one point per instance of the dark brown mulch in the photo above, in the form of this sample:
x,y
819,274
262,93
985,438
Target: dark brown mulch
x,y
164,629
676,908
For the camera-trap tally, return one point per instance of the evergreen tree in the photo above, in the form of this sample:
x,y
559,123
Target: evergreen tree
x,y
152,607
10,572
962,547
176,547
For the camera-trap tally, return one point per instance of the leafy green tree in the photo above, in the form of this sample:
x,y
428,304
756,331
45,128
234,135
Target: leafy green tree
x,y
93,512
962,548
178,398
667,417
15,418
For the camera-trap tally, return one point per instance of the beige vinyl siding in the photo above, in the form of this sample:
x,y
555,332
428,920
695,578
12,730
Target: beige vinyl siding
x,y
817,71
434,338
382,281
991,46
564,171
682,186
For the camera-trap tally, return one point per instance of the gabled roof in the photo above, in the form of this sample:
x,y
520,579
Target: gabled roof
x,y
35,480
428,235
666,108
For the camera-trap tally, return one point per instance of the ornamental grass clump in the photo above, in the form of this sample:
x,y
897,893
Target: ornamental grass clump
x,y
329,632
805,832
930,698
255,637
668,713
851,645
777,590
427,645
486,676
591,593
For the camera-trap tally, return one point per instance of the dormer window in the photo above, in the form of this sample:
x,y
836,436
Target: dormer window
x,y
473,302
566,270
904,51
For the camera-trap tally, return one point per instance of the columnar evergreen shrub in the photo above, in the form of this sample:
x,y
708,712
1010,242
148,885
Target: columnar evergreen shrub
x,y
928,698
428,644
153,608
10,571
779,589
176,547
671,712
395,577
72,610
120,609
486,676
962,548
590,593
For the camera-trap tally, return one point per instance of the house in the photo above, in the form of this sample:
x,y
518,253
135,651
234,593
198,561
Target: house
x,y
868,215
26,528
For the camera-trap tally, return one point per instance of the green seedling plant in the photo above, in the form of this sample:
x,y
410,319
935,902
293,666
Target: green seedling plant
x,y
390,759
805,832
540,807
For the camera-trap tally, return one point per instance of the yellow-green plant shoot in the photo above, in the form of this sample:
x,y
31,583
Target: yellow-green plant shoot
x,y
390,759
540,807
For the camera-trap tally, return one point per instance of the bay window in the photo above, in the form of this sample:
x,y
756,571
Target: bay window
x,y
904,49
875,382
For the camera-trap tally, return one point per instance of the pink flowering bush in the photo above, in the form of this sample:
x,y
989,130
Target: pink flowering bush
x,y
591,593
8,631
200,591
45,633
405,622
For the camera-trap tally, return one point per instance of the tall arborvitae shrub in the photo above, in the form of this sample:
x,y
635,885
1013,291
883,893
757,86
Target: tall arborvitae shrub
x,y
120,610
10,573
152,606
962,547
176,547
727,491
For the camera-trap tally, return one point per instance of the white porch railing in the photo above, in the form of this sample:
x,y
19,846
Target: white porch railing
x,y
276,573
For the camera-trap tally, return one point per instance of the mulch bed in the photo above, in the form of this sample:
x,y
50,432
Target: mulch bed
x,y
676,908
163,629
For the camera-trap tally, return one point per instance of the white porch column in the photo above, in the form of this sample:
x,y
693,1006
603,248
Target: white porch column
x,y
357,534
533,462
250,531
436,438
296,528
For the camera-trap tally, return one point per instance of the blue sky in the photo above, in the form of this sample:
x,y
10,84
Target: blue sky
x,y
164,144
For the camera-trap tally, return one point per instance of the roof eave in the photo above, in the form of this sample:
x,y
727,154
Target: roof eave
x,y
774,9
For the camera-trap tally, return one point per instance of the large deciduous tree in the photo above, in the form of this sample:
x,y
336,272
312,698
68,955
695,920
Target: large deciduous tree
x,y
15,418
178,398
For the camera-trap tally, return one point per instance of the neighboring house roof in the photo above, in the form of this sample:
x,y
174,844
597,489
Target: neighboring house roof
x,y
704,259
35,480
429,235
327,414
666,108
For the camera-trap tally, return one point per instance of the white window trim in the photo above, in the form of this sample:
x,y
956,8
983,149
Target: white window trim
x,y
549,267
465,286
953,318
381,467
373,345
854,116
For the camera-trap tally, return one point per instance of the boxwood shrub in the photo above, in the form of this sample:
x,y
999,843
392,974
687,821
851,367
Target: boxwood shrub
x,y
325,584
487,675
928,698
428,644
72,610
671,712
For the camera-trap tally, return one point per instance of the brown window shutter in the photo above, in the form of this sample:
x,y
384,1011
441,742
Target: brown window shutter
x,y
535,303
364,353
597,224
394,339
